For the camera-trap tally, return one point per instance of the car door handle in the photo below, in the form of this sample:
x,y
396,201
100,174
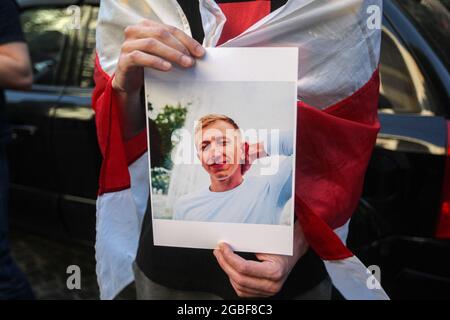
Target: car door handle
x,y
22,131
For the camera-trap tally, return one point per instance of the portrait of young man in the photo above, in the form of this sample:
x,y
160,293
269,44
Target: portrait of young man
x,y
231,196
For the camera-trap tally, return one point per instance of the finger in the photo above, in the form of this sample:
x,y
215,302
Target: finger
x,y
245,168
157,48
240,289
262,286
241,294
254,154
244,292
232,274
153,31
246,165
247,156
141,59
192,45
256,269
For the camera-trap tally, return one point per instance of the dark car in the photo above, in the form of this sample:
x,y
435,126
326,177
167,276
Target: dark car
x,y
403,220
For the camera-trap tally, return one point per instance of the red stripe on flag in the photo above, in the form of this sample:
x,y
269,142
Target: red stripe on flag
x,y
319,235
136,147
334,147
240,16
117,153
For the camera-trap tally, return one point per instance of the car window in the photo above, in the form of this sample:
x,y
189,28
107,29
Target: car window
x,y
47,36
80,69
404,88
432,20
87,76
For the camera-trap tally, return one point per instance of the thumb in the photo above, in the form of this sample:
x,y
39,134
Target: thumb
x,y
246,153
263,257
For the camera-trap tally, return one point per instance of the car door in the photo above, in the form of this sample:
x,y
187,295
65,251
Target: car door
x,y
77,153
32,156
405,177
396,224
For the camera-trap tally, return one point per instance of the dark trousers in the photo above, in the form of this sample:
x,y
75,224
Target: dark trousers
x,y
13,284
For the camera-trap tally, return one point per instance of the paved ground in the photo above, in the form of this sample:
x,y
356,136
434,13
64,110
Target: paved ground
x,y
45,263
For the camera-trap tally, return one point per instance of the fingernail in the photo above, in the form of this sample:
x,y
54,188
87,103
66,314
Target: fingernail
x,y
166,65
200,51
186,61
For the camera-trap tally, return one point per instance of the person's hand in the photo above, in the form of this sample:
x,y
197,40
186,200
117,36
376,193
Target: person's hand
x,y
153,45
252,152
15,66
264,278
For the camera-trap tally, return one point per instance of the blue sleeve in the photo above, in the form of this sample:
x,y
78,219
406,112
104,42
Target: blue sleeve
x,y
281,182
281,144
177,212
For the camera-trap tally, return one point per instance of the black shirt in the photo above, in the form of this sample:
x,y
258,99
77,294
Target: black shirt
x,y
197,269
10,31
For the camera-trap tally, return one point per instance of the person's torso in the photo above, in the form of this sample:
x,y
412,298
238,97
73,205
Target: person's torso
x,y
197,269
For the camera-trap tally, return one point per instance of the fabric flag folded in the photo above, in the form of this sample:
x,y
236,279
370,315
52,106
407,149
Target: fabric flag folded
x,y
339,46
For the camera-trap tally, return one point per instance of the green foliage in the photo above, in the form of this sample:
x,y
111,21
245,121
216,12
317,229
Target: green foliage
x,y
170,119
160,180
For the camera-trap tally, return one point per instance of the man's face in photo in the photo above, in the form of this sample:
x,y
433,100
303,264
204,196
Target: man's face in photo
x,y
219,148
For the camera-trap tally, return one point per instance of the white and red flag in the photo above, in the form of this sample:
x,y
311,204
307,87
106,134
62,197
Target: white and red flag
x,y
338,84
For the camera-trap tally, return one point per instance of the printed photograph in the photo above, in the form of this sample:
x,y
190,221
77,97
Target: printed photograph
x,y
222,151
